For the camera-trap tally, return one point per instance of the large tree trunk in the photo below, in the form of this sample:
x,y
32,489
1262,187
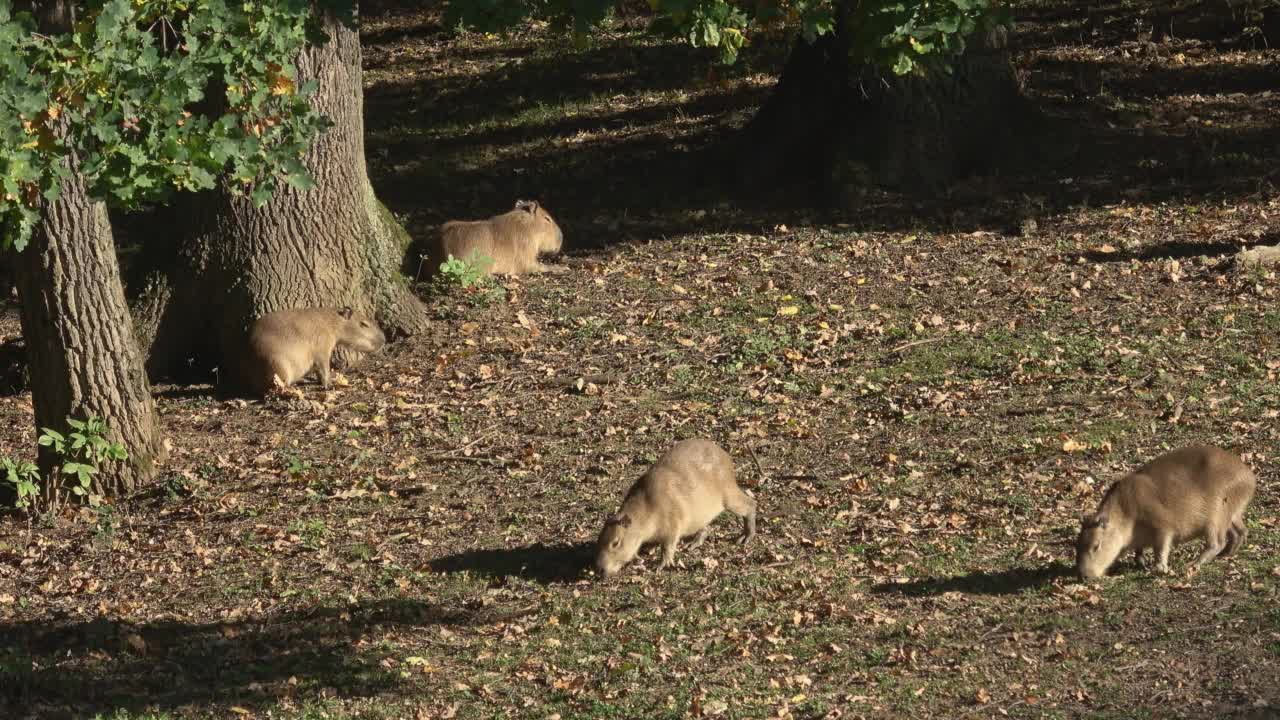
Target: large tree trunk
x,y
83,358
834,123
332,245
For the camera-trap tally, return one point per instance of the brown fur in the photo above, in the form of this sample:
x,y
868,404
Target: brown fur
x,y
512,240
291,343
679,496
1196,492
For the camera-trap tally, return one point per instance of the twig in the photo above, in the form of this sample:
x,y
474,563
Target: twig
x,y
756,460
568,381
465,458
989,633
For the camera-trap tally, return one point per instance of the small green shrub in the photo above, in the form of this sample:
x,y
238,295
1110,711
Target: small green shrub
x,y
456,272
24,477
82,451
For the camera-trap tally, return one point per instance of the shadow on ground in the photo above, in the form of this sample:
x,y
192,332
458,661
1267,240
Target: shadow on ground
x,y
540,563
82,668
1007,582
442,140
1176,250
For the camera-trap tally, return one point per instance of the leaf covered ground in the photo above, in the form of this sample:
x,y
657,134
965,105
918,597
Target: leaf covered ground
x,y
922,396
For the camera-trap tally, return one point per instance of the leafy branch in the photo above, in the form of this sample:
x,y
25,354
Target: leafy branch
x,y
153,97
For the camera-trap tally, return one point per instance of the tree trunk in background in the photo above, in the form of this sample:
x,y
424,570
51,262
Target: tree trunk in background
x,y
81,347
836,124
333,245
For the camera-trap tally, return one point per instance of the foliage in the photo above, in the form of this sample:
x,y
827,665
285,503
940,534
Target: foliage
x,y
894,34
463,273
82,452
23,477
153,97
901,35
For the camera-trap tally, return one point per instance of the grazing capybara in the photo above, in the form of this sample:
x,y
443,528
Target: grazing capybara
x,y
1195,492
679,496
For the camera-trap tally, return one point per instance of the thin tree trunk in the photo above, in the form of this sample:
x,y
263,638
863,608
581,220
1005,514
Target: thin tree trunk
x,y
82,354
332,245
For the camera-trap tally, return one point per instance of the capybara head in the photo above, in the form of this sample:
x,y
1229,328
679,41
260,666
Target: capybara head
x,y
550,238
359,331
1100,542
618,544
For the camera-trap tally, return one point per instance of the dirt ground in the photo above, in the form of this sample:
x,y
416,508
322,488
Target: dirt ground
x,y
923,397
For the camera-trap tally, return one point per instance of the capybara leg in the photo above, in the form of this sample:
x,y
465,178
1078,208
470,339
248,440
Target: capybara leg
x,y
322,368
700,538
669,546
1215,541
744,506
1164,545
1235,538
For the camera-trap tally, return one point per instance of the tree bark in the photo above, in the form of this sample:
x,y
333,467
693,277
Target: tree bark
x,y
332,245
835,124
83,358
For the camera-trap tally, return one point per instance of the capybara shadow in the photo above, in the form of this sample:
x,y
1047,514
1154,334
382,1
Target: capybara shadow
x,y
539,562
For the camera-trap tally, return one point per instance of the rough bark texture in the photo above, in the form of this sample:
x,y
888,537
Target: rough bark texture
x,y
838,124
82,354
333,245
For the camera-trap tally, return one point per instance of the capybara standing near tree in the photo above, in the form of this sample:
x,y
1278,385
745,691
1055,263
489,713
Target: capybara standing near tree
x,y
288,344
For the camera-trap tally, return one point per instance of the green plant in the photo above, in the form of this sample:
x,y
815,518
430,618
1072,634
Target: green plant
x,y
456,272
894,34
82,451
25,479
312,533
106,521
297,466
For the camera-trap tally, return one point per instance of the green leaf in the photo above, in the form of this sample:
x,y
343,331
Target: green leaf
x,y
260,195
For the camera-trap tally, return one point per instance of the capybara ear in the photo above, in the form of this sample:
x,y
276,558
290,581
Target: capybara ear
x,y
624,520
345,312
529,206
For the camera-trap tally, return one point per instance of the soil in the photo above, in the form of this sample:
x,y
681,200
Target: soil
x,y
922,397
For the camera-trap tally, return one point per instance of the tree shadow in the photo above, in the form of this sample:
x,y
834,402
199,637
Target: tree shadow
x,y
541,563
1172,251
13,367
653,165
78,669
1005,582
